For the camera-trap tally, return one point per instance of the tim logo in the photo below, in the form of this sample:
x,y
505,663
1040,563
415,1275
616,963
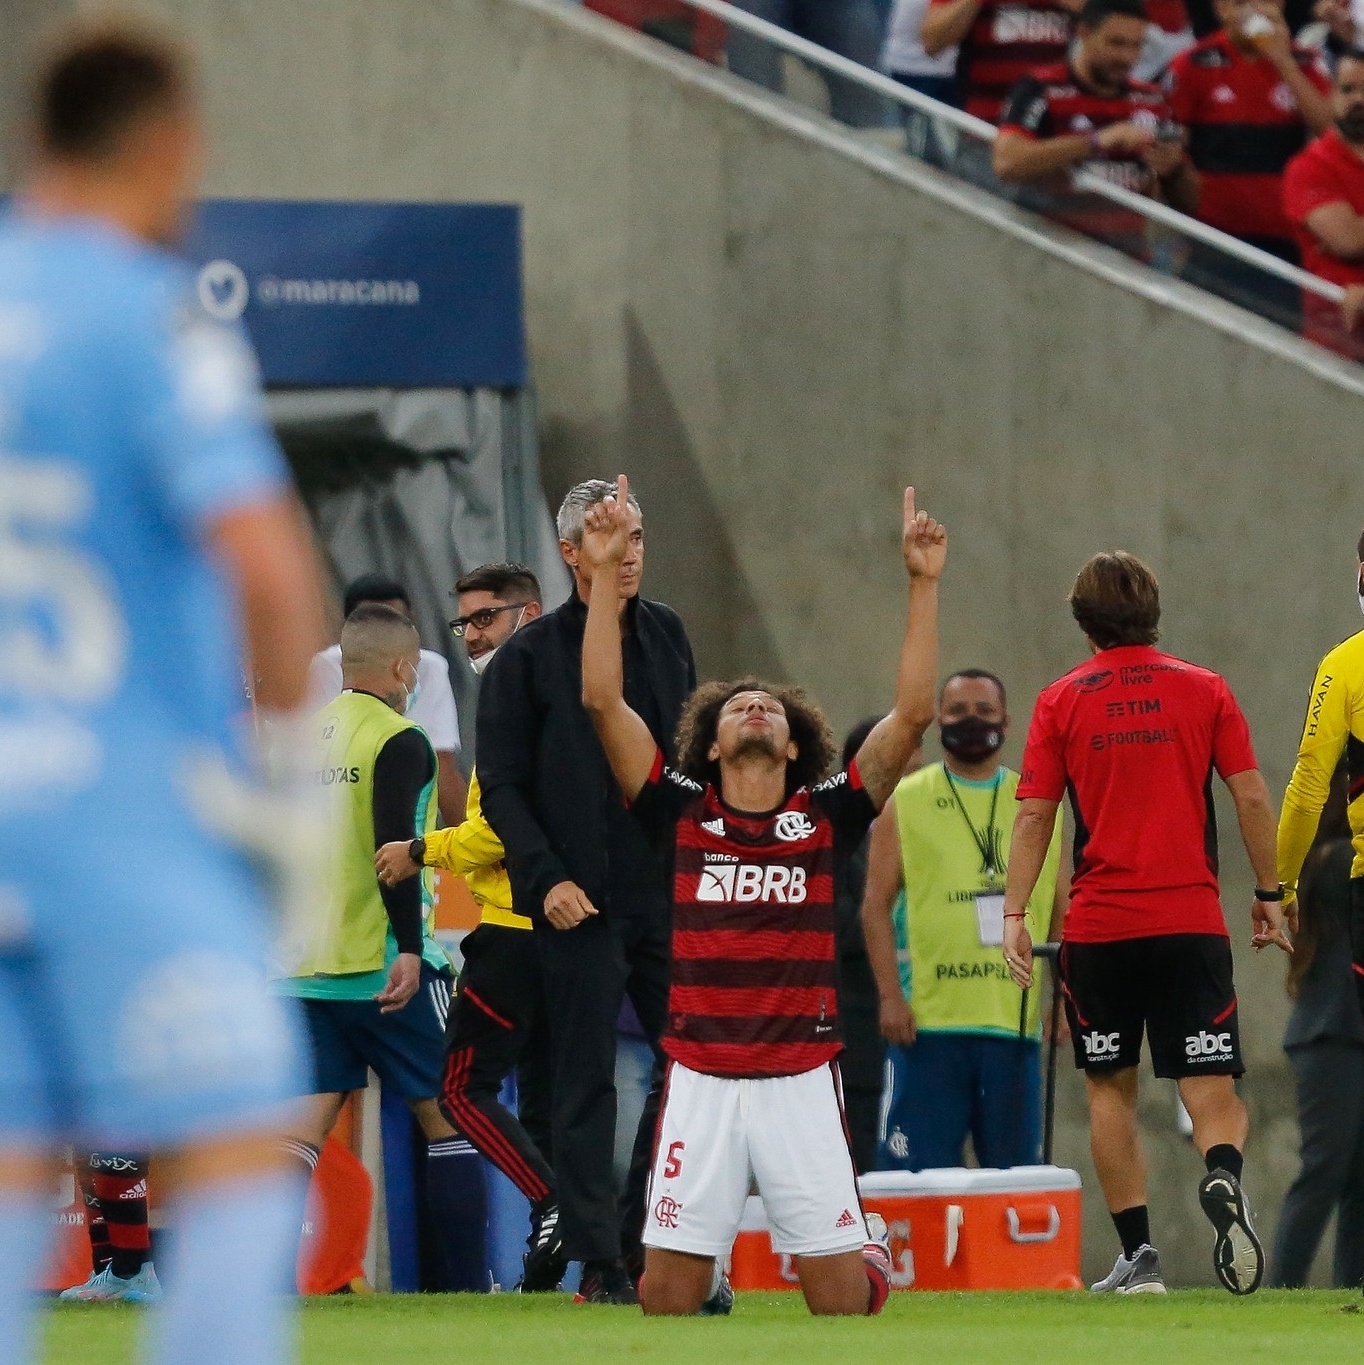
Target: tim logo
x,y
666,1211
1208,1047
223,291
744,883
1094,682
1101,1045
792,826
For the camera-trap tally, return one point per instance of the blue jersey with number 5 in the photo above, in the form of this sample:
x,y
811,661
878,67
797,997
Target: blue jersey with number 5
x,y
129,423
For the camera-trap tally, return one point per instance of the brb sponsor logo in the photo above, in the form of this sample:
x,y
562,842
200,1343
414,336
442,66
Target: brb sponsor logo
x,y
1208,1047
1101,1047
744,883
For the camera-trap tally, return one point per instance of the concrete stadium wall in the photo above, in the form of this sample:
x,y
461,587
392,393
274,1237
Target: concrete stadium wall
x,y
772,330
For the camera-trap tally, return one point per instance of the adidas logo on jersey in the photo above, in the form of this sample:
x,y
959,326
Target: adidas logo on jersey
x,y
846,1220
716,827
742,883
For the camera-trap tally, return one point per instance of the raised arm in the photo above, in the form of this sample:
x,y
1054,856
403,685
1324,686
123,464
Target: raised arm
x,y
882,758
630,747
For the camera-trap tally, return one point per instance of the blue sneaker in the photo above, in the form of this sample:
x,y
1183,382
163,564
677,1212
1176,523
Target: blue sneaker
x,y
720,1304
103,1286
144,1287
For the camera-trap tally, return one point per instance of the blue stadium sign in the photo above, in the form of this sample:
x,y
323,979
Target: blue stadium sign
x,y
341,294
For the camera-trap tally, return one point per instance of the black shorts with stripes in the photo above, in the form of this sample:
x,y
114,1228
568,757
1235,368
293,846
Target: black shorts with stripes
x,y
1175,988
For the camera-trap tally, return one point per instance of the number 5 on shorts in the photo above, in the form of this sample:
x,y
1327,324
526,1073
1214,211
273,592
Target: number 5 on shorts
x,y
672,1164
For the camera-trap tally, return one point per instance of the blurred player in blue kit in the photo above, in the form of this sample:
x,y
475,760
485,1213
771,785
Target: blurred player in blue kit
x,y
146,522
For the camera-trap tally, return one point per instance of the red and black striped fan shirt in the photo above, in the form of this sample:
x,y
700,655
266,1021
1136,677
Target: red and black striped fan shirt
x,y
753,989
1244,127
1005,43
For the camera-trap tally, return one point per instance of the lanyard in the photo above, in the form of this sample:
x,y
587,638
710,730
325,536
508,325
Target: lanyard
x,y
986,842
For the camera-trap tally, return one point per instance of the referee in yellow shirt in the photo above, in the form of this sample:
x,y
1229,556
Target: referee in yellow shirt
x,y
497,1021
1334,727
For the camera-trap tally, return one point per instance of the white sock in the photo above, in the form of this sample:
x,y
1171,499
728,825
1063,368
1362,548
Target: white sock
x,y
25,1228
250,1228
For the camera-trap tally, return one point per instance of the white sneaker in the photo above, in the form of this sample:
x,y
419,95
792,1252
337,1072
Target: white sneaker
x,y
1139,1275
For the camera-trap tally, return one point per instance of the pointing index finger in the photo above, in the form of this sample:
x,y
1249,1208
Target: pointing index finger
x,y
910,512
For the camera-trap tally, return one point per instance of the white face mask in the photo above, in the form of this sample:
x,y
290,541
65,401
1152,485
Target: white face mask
x,y
413,692
1359,588
483,660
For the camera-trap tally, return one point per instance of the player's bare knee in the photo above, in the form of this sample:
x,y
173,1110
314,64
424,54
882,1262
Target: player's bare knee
x,y
665,1297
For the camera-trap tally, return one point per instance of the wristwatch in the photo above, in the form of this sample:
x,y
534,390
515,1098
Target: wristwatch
x,y
416,850
1269,897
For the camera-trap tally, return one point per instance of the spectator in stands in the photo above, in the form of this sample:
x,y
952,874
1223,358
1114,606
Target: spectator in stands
x,y
582,871
951,1013
1250,98
671,21
906,61
1000,43
1088,112
1324,1043
1324,201
1168,33
433,704
1332,31
852,28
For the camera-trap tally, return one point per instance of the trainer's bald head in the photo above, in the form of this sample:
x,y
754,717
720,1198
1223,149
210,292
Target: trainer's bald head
x,y
378,647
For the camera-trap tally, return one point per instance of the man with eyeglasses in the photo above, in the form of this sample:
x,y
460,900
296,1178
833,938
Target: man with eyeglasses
x,y
497,1022
583,871
433,705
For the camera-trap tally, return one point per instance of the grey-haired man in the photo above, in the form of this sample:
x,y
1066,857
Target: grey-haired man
x,y
583,872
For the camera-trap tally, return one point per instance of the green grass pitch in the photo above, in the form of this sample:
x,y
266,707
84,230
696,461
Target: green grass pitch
x,y
1286,1328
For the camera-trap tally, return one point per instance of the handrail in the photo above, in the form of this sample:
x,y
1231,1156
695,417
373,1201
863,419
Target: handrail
x,y
978,128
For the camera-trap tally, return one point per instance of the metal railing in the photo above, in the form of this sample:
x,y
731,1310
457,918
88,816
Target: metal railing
x,y
875,82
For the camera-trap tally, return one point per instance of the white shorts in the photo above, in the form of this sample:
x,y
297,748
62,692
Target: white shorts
x,y
715,1135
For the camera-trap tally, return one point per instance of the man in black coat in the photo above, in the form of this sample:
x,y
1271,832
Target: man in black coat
x,y
582,870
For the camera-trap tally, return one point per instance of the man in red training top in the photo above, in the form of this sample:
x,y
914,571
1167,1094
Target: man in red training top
x,y
1135,737
1323,196
754,837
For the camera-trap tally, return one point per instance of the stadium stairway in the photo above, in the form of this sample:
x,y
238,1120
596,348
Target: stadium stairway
x,y
773,327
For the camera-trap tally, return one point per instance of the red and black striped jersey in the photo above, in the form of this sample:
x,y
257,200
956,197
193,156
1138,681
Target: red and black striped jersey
x,y
754,988
1244,127
1005,42
1052,102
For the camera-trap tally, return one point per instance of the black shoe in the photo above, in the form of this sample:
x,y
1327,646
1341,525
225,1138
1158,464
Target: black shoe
x,y
544,1262
606,1282
1237,1256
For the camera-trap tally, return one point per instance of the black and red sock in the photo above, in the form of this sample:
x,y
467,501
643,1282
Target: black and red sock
x,y
120,1184
101,1253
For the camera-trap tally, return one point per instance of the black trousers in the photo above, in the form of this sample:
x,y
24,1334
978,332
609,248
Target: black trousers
x,y
498,1023
1330,1084
588,971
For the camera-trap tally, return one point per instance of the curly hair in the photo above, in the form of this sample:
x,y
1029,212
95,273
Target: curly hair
x,y
815,747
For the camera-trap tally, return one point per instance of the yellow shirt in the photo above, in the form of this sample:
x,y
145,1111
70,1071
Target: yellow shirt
x,y
473,851
1334,726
